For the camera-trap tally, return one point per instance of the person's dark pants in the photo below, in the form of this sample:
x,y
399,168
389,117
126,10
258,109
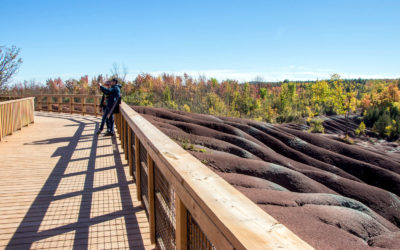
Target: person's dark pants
x,y
104,119
110,122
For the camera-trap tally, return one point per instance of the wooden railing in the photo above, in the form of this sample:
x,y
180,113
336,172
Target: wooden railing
x,y
73,104
188,205
15,114
80,104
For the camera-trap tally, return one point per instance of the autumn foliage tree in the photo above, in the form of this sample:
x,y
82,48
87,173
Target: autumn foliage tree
x,y
376,100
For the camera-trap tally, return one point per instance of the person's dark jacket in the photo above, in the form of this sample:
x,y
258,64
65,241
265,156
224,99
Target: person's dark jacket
x,y
114,94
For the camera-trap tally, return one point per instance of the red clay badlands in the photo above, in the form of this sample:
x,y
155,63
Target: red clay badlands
x,y
331,194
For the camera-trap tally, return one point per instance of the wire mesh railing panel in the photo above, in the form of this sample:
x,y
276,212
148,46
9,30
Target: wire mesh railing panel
x,y
133,154
142,154
144,188
126,136
144,177
165,218
196,239
43,103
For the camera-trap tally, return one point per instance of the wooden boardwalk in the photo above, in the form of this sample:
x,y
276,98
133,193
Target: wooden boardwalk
x,y
61,186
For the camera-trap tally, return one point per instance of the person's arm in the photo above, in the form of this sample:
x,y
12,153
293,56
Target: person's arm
x,y
105,90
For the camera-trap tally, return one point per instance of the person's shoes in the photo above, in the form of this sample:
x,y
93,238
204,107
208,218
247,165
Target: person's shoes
x,y
109,133
98,131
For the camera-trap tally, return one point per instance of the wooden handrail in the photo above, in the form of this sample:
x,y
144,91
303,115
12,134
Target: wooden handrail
x,y
15,114
227,218
70,107
63,95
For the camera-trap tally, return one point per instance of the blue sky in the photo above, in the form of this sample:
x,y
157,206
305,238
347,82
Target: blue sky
x,y
275,40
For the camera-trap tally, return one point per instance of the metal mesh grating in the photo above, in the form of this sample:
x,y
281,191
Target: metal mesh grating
x,y
164,205
196,238
133,155
44,104
126,127
144,177
143,188
142,154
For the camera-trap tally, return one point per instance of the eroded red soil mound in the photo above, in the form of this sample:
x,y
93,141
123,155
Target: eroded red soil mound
x,y
331,194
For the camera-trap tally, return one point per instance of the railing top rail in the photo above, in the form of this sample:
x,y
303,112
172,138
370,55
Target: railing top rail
x,y
236,217
17,100
67,95
60,95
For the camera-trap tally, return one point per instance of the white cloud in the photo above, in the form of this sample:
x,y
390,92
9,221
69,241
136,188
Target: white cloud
x,y
290,74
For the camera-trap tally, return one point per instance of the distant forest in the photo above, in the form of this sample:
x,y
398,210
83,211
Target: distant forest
x,y
376,101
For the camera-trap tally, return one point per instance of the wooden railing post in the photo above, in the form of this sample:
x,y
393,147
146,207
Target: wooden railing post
x,y
150,189
27,104
70,104
99,111
32,120
39,102
20,114
137,166
71,100
59,104
95,106
181,224
11,119
82,105
52,102
49,108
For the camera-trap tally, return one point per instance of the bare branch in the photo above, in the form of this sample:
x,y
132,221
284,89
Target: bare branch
x,y
9,64
119,73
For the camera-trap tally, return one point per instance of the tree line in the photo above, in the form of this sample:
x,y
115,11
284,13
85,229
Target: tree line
x,y
376,101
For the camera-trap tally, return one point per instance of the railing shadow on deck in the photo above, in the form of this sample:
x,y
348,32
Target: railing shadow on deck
x,y
30,230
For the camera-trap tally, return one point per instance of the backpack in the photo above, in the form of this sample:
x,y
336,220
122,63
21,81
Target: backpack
x,y
114,108
117,103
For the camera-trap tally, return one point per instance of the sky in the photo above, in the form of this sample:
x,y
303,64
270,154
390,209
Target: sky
x,y
242,40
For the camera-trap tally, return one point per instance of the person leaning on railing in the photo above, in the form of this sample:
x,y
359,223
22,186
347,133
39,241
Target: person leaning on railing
x,y
114,95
